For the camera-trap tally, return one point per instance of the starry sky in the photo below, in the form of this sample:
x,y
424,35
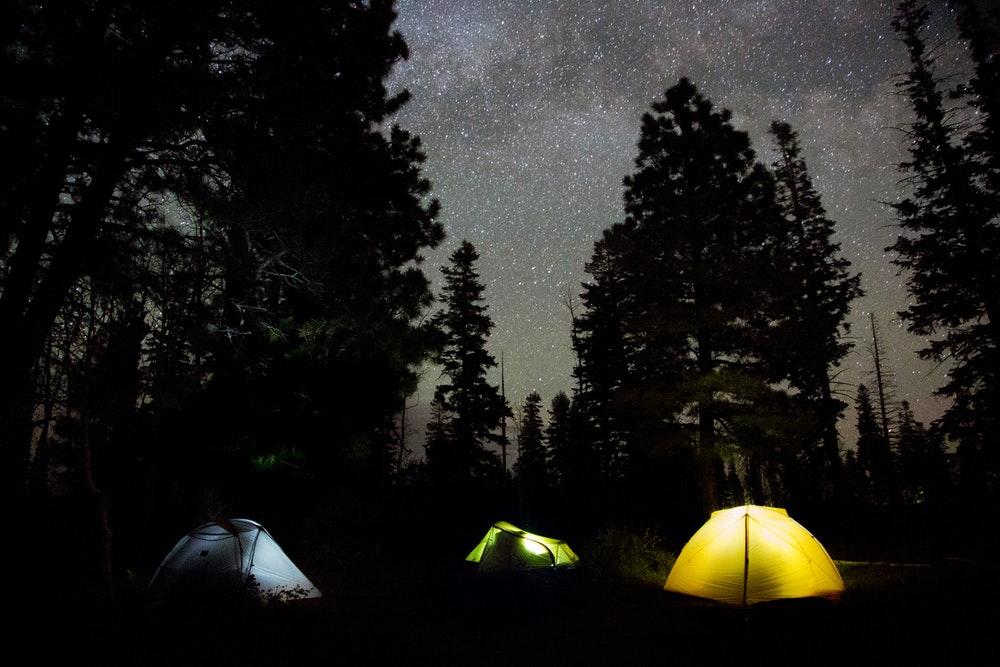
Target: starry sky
x,y
530,109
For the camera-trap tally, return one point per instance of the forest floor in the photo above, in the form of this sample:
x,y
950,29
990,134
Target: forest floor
x,y
915,614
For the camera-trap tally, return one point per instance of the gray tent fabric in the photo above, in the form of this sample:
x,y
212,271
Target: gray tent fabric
x,y
231,554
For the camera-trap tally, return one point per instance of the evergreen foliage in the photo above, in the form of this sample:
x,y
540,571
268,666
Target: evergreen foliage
x,y
949,242
670,340
815,295
474,406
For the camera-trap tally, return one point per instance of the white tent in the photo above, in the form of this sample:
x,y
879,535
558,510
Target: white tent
x,y
231,554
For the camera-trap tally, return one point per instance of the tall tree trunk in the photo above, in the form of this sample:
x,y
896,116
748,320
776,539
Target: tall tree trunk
x,y
831,441
102,585
31,237
706,427
877,353
38,483
22,336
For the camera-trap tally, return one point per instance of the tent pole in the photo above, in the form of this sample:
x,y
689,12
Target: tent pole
x,y
746,552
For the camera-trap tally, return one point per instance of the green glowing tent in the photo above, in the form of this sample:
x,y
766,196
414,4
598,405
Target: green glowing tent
x,y
507,547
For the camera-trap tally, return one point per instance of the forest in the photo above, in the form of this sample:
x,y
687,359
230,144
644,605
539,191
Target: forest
x,y
214,303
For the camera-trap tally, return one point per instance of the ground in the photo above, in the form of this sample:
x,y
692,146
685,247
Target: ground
x,y
900,614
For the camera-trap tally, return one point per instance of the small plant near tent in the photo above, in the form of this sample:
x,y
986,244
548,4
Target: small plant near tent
x,y
283,595
620,554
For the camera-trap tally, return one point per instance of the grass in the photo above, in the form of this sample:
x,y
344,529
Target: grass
x,y
621,556
897,614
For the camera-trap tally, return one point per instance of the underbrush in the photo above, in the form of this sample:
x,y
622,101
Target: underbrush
x,y
622,555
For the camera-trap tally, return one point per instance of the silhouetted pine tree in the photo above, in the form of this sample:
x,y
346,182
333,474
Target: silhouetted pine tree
x,y
532,465
438,443
563,452
874,455
815,296
923,471
976,423
601,348
230,182
475,407
316,205
981,32
668,335
853,482
950,242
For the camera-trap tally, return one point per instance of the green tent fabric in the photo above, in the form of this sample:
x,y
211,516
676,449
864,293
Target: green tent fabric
x,y
507,547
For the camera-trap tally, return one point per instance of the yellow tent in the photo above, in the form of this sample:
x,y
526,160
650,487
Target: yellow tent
x,y
749,554
507,547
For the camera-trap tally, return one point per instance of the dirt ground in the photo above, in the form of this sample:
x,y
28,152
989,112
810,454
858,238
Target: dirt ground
x,y
898,614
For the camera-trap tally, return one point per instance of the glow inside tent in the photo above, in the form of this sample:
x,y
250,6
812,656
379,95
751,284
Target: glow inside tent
x,y
749,554
507,547
231,553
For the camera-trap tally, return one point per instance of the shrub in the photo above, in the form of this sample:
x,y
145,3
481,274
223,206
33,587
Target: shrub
x,y
626,556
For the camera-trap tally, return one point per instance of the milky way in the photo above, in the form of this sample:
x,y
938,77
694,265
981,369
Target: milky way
x,y
530,110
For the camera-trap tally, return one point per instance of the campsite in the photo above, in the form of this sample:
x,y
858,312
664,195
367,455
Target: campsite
x,y
500,331
423,610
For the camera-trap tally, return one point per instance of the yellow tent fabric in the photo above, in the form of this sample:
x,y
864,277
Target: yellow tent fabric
x,y
507,547
750,554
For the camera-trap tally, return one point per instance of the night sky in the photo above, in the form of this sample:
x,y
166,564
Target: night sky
x,y
530,111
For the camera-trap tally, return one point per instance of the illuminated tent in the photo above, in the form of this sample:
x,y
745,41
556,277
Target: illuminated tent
x,y
230,555
754,554
507,547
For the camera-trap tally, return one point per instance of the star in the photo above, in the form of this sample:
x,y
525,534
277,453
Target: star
x,y
529,111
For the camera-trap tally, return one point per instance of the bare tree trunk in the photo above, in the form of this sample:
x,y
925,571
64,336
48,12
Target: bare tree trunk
x,y
879,377
102,585
38,483
23,334
831,441
706,429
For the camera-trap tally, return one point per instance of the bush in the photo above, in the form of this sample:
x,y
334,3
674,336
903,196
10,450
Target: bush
x,y
629,557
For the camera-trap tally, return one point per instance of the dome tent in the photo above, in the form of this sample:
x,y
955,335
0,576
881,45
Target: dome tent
x,y
507,547
749,554
230,554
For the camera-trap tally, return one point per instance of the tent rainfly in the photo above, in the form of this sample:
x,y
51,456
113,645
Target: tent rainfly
x,y
230,553
507,547
750,554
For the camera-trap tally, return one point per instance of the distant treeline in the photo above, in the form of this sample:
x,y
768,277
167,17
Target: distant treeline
x,y
212,302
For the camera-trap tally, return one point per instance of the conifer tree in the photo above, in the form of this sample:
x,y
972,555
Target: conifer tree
x,y
949,243
532,466
270,130
981,32
815,295
441,453
885,380
602,350
474,406
853,481
563,457
874,455
669,334
922,468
